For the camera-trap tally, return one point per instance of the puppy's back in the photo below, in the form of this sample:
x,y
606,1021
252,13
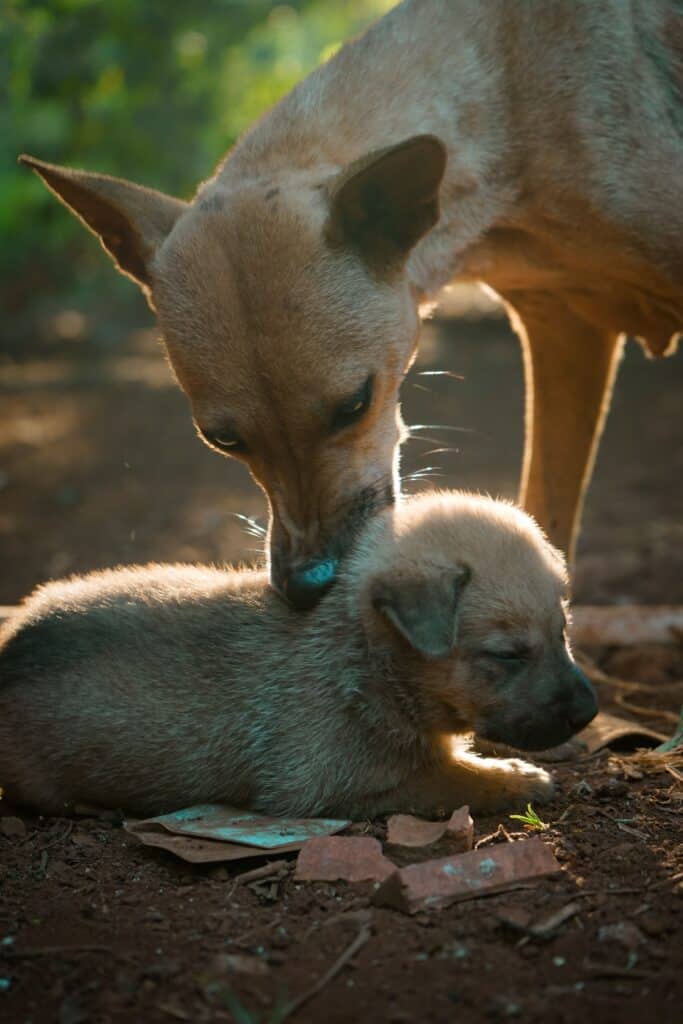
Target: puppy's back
x,y
89,663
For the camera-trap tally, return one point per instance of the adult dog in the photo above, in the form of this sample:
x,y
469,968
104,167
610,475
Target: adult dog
x,y
536,147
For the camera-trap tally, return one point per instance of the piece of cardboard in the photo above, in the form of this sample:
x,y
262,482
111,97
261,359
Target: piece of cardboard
x,y
612,731
213,832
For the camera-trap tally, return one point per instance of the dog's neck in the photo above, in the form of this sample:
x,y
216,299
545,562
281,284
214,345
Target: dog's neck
x,y
402,78
370,669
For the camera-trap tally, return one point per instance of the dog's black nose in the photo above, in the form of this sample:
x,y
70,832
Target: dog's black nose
x,y
584,706
307,584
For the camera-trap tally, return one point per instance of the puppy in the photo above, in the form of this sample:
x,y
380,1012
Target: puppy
x,y
155,688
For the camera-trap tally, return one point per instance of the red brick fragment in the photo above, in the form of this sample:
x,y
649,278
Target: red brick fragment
x,y
460,830
406,830
438,883
342,858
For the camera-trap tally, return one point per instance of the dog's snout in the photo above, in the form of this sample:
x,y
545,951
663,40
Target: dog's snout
x,y
584,705
306,585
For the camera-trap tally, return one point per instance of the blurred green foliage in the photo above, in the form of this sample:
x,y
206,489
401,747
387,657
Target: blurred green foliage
x,y
152,90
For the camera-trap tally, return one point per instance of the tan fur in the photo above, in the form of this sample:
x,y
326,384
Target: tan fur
x,y
158,687
297,270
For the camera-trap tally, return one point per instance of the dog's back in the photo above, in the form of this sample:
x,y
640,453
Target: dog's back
x,y
110,654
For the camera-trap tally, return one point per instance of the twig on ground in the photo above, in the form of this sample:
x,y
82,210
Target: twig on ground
x,y
276,867
652,762
608,892
639,709
360,940
500,831
240,940
620,824
58,951
613,971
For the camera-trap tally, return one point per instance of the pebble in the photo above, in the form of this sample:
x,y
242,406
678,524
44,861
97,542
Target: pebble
x,y
13,828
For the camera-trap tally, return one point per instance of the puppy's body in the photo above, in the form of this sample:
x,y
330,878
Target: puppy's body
x,y
160,687
288,289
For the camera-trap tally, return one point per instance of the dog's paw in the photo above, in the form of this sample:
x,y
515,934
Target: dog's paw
x,y
506,784
526,783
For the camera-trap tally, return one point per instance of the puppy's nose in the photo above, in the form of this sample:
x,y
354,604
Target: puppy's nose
x,y
307,584
584,706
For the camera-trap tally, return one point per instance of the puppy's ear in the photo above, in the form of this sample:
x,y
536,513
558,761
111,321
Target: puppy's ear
x,y
130,221
423,608
382,204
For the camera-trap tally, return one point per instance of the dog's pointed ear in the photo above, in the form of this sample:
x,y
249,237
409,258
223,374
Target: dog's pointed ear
x,y
130,221
382,204
423,608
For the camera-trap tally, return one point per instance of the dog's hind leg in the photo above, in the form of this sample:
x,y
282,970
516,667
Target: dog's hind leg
x,y
570,366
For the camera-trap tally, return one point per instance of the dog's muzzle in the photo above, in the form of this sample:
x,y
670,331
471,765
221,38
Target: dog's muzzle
x,y
305,586
304,583
540,727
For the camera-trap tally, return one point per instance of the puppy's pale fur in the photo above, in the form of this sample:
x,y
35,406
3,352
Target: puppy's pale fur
x,y
159,687
553,172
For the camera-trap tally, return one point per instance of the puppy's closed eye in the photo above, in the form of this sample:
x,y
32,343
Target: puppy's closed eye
x,y
508,656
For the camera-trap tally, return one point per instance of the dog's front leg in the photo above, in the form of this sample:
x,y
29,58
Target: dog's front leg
x,y
487,785
570,366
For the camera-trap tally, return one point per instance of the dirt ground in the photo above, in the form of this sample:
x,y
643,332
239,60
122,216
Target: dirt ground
x,y
99,465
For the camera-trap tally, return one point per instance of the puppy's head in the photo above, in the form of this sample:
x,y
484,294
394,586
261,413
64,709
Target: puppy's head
x,y
471,597
289,321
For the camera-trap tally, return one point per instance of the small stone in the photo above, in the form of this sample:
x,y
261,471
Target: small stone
x,y
623,932
516,918
161,969
500,1006
653,924
72,1010
342,858
612,789
126,984
238,963
84,840
13,828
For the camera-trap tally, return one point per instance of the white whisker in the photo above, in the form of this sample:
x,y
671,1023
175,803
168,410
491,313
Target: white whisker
x,y
440,373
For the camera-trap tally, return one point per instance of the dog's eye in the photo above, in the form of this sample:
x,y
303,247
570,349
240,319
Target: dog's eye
x,y
512,656
353,408
230,444
226,442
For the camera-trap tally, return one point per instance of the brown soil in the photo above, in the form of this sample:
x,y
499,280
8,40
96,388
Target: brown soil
x,y
98,466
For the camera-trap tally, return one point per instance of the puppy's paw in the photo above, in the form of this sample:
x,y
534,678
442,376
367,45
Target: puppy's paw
x,y
528,784
507,784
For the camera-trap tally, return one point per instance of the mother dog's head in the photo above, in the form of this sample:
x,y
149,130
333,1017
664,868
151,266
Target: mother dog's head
x,y
289,322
